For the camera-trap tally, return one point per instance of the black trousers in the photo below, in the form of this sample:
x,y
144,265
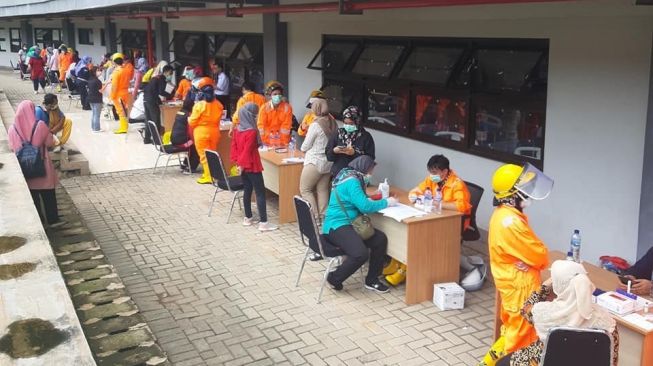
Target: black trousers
x,y
152,113
54,76
254,181
194,159
38,82
224,100
49,203
357,253
80,87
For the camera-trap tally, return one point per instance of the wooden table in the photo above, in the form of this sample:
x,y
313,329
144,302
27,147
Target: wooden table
x,y
428,245
635,343
282,179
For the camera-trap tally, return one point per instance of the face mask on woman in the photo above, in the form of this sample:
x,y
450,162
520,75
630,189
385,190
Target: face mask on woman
x,y
276,99
436,178
350,128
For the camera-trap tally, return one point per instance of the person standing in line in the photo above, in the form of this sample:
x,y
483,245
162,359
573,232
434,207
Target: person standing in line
x,y
65,59
27,128
316,175
205,122
53,69
120,96
140,70
94,98
37,72
517,255
22,60
153,95
82,75
351,141
244,152
222,85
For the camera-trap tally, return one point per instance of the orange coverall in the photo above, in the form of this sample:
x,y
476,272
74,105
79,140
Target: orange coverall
x,y
183,89
129,68
273,120
249,97
512,240
205,122
454,190
120,91
65,59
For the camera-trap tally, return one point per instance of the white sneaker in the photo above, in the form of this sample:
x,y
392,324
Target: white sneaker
x,y
36,92
266,226
248,221
57,224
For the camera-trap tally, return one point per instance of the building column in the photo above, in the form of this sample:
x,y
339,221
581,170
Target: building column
x,y
27,33
645,237
161,40
110,36
275,49
68,33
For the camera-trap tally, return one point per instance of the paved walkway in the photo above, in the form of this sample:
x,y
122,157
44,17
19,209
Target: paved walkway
x,y
223,294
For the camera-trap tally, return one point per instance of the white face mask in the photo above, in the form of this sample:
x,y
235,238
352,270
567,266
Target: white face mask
x,y
525,203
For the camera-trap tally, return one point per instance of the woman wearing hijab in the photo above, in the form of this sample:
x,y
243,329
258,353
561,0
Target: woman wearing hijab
x,y
348,200
572,307
81,80
314,181
205,122
244,152
27,128
351,141
140,70
182,135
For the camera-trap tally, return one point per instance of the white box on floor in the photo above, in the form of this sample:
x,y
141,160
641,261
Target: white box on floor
x,y
448,296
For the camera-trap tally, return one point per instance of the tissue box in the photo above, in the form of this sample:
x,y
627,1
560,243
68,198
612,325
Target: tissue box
x,y
616,303
448,296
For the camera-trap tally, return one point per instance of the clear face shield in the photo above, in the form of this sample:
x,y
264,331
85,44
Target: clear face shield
x,y
533,183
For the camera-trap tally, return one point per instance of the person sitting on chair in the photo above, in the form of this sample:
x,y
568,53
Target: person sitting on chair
x,y
455,196
572,307
182,135
59,125
348,200
640,275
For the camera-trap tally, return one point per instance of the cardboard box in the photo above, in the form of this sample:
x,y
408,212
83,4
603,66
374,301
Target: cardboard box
x,y
616,303
448,296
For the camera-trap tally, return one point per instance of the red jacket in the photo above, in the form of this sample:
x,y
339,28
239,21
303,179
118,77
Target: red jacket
x,y
37,65
244,151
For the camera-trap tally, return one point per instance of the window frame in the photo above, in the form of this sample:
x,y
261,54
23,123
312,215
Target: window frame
x,y
12,40
90,41
469,92
348,63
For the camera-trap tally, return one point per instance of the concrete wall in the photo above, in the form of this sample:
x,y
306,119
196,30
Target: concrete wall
x,y
596,115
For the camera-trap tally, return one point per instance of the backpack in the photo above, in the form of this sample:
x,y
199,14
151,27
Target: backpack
x,y
29,157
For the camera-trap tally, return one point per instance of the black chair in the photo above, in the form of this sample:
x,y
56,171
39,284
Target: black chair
x,y
575,346
472,233
317,242
222,182
169,150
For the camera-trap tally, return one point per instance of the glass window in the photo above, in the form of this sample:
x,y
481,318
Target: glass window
x,y
228,47
440,115
85,36
188,48
341,95
504,69
250,49
103,42
334,56
14,39
135,40
430,64
378,59
46,36
388,108
513,127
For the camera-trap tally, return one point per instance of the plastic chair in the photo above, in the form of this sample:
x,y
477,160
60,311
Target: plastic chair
x,y
169,150
567,346
476,192
222,181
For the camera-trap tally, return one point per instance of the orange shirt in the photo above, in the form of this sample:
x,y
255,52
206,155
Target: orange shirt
x,y
249,97
65,59
206,114
273,120
309,118
454,190
183,89
511,240
129,68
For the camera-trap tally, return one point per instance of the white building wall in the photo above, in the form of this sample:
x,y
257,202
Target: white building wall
x,y
7,55
96,50
596,115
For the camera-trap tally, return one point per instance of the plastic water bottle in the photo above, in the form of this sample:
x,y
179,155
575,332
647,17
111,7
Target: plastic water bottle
x,y
575,245
291,147
384,188
428,201
570,256
437,201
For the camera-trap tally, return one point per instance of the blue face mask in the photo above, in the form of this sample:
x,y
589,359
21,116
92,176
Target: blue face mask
x,y
168,77
276,99
436,178
366,179
350,128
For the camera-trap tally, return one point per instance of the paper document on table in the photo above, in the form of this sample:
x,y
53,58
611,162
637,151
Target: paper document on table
x,y
401,212
293,160
640,321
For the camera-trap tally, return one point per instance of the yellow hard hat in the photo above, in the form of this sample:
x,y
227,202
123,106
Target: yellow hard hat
x,y
504,180
273,85
317,94
116,56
